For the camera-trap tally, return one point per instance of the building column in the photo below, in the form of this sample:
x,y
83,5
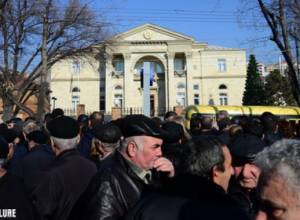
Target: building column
x,y
108,83
189,78
169,77
127,79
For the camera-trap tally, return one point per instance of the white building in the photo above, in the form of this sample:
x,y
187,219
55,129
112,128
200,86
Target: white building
x,y
186,72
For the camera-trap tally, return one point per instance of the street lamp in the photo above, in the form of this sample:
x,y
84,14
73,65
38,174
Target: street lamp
x,y
53,101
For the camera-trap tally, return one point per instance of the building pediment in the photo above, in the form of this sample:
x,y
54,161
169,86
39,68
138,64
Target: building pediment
x,y
150,32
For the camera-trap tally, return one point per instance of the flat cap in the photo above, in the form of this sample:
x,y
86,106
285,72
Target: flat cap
x,y
245,147
107,133
63,127
139,125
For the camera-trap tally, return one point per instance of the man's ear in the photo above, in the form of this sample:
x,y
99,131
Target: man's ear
x,y
215,173
78,139
53,146
131,149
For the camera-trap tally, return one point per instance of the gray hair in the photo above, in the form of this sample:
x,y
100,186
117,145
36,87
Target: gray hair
x,y
204,155
282,159
111,145
65,144
137,139
30,126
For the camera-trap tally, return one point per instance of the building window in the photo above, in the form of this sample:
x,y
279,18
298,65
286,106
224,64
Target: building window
x,y
180,95
196,87
75,89
196,99
75,101
118,64
102,103
180,86
76,67
222,86
221,65
75,97
180,98
179,64
223,99
118,97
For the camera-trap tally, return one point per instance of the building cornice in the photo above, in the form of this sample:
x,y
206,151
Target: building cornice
x,y
81,79
219,77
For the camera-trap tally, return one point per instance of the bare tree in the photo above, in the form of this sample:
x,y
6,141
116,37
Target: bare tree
x,y
283,19
34,35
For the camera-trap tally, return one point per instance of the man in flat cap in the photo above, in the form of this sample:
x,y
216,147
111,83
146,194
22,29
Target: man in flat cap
x,y
62,183
132,169
243,186
106,141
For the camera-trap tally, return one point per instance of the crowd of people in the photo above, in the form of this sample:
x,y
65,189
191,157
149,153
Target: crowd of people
x,y
141,168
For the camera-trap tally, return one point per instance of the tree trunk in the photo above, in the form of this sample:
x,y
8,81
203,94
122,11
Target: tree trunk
x,y
8,107
43,83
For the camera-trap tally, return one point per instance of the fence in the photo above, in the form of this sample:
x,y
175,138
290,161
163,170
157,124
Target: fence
x,y
159,112
73,112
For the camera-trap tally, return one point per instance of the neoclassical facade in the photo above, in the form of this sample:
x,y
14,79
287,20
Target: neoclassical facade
x,y
183,72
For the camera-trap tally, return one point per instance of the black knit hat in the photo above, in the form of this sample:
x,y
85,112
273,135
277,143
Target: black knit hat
x,y
138,125
107,133
63,127
38,137
3,148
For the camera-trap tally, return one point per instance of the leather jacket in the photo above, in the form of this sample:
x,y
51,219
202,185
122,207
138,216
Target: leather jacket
x,y
114,190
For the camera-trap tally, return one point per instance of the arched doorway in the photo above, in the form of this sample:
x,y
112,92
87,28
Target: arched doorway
x,y
157,83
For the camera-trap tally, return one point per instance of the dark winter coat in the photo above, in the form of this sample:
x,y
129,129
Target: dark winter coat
x,y
189,197
36,160
62,184
13,196
248,200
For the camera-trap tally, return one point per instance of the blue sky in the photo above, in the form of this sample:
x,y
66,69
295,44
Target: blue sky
x,y
216,22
